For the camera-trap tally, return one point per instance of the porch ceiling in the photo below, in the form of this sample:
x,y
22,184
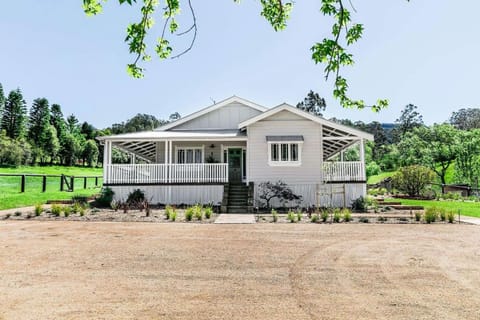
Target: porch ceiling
x,y
145,150
335,140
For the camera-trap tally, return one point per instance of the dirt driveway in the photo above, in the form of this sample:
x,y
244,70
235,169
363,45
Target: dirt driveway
x,y
77,270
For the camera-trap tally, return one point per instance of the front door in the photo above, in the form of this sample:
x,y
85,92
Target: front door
x,y
235,165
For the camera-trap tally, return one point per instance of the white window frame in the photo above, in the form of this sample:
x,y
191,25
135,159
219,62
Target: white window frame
x,y
202,149
289,162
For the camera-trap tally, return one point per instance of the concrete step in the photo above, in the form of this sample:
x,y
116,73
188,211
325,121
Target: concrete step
x,y
389,204
237,209
405,207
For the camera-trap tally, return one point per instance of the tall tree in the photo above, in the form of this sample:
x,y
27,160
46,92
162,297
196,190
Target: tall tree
x,y
72,124
38,125
57,120
51,146
467,163
409,119
434,147
2,101
313,104
466,119
15,115
90,153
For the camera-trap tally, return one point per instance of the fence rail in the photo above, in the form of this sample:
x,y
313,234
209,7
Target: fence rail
x,y
68,181
166,173
343,171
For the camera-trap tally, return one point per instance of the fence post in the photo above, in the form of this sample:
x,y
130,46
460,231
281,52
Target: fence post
x,y
72,183
96,181
62,177
44,184
84,182
22,185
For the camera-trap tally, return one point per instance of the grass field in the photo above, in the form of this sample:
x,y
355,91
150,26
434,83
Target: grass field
x,y
449,176
471,209
11,197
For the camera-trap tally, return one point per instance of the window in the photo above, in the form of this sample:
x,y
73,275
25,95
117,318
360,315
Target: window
x,y
284,153
189,155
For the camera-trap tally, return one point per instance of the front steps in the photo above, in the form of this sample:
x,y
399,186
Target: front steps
x,y
236,198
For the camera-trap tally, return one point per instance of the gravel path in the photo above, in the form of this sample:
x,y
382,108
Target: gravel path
x,y
103,270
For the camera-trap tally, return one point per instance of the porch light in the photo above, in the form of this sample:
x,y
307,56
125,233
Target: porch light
x,y
212,146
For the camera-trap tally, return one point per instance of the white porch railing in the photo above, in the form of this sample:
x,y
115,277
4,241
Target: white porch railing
x,y
344,171
166,173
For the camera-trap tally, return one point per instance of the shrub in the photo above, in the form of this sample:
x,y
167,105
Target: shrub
x,y
443,214
208,212
363,220
418,216
114,204
274,215
168,212
324,215
336,216
56,210
38,209
412,180
76,207
314,218
81,211
197,212
381,219
80,199
299,215
431,215
450,216
173,215
347,215
189,214
136,197
360,204
291,216
372,169
106,197
66,210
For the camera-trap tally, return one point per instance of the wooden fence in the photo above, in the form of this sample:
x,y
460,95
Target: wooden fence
x,y
66,183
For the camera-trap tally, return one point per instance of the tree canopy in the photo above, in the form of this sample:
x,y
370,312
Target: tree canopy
x,y
332,52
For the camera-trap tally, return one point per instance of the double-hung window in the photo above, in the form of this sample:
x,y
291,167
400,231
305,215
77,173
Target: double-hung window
x,y
284,150
189,155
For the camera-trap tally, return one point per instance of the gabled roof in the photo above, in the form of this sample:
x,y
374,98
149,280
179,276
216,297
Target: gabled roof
x,y
286,107
211,108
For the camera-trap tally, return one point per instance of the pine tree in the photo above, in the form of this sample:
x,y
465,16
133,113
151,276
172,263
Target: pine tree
x,y
2,102
14,115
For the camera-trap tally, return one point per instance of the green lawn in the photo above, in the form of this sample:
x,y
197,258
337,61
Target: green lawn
x,y
471,209
11,197
379,177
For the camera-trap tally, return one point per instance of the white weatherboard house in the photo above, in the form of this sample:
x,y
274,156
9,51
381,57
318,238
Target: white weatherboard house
x,y
231,147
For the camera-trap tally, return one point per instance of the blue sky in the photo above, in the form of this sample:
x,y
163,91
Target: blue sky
x,y
422,52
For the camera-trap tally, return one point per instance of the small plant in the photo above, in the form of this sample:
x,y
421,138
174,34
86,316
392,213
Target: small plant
x,y
314,218
336,216
291,217
324,215
274,215
381,219
347,215
67,210
136,197
125,207
28,216
208,212
173,215
450,216
18,213
80,199
363,220
431,215
81,210
38,209
443,214
114,204
418,216
168,212
197,212
56,210
299,215
76,207
189,214
360,204
7,216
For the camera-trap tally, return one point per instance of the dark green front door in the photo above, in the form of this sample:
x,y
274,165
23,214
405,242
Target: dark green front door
x,y
235,165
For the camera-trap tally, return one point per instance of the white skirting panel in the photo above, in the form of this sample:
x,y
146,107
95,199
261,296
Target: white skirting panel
x,y
320,195
174,194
